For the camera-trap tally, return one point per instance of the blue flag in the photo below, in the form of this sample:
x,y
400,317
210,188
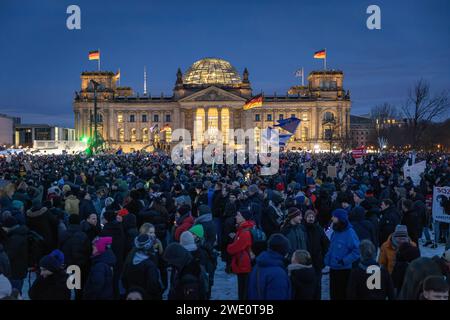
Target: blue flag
x,y
284,138
289,124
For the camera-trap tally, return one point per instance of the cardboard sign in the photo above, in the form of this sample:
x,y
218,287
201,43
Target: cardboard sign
x,y
414,171
331,171
441,196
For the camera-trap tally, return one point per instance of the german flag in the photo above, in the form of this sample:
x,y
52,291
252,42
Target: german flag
x,y
321,54
254,102
94,55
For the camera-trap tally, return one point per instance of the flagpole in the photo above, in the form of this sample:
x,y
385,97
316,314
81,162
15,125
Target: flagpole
x,y
325,60
120,76
303,78
98,59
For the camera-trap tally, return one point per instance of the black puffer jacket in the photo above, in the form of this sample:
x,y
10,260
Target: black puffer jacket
x,y
16,247
45,224
303,280
364,228
389,219
53,287
318,244
157,219
75,245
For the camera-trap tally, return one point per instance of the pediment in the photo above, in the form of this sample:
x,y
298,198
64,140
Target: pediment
x,y
212,94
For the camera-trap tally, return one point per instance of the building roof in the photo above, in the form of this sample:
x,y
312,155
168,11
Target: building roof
x,y
211,71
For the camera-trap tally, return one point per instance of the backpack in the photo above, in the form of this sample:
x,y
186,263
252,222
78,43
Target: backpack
x,y
258,240
195,287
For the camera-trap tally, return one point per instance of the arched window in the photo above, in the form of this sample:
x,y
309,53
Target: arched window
x,y
328,117
199,125
121,135
145,135
133,135
225,118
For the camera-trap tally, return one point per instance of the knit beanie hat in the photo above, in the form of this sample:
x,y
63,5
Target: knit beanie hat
x,y
187,241
245,213
203,209
279,243
359,194
108,201
293,212
17,204
58,255
50,263
198,231
253,188
101,244
341,214
123,212
143,242
309,213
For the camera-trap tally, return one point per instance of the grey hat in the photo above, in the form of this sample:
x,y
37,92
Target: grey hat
x,y
187,241
143,242
367,250
401,231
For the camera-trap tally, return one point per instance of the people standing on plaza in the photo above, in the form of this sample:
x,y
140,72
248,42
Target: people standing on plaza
x,y
342,253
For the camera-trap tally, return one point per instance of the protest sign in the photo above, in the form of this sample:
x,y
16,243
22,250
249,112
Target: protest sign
x,y
441,205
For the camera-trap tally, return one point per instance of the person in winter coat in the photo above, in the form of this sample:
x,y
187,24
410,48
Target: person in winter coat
x,y
188,282
294,231
205,218
318,244
273,216
372,213
239,250
41,221
17,211
5,266
114,229
357,288
86,205
405,255
157,215
100,284
91,227
184,221
342,253
71,203
229,226
129,225
410,219
389,219
269,279
75,245
389,249
364,229
435,289
323,205
419,269
51,284
303,276
16,246
140,269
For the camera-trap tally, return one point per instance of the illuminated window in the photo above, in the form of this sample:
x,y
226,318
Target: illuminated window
x,y
213,123
305,117
328,117
225,118
145,135
199,123
304,133
168,134
121,135
211,71
133,135
120,118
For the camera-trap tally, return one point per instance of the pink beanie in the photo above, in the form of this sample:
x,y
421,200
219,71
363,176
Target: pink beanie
x,y
101,244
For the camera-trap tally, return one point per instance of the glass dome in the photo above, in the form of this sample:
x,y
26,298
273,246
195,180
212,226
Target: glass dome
x,y
211,71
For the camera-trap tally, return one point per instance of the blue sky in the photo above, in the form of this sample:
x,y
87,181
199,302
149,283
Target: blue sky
x,y
41,59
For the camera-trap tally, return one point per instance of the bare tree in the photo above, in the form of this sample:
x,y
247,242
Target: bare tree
x,y
383,112
421,108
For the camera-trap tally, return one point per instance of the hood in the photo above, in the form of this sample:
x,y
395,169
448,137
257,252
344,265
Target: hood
x,y
107,257
33,214
138,257
71,197
364,264
357,214
18,229
297,266
204,218
270,258
248,224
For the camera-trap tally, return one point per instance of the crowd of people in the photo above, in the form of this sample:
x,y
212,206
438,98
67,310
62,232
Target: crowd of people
x,y
140,227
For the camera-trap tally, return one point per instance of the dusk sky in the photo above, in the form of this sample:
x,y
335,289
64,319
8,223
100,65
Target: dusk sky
x,y
41,60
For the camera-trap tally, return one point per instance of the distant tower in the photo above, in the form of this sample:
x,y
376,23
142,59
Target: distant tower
x,y
145,80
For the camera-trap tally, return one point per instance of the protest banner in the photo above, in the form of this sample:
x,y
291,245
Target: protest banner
x,y
441,205
414,171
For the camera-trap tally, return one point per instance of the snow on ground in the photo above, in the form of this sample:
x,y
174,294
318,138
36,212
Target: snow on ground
x,y
225,285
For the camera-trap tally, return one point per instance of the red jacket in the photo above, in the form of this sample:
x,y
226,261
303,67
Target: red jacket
x,y
240,249
187,223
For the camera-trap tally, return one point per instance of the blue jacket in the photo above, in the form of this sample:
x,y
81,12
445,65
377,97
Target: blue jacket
x,y
269,279
99,285
343,250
